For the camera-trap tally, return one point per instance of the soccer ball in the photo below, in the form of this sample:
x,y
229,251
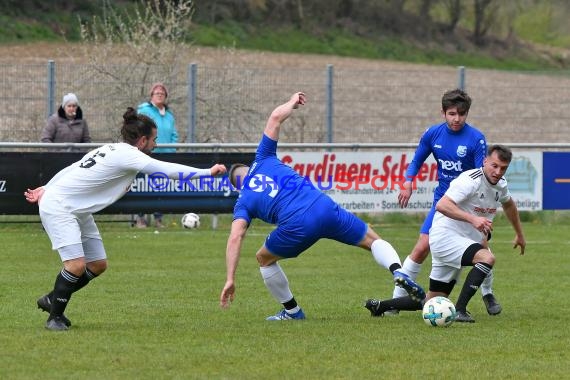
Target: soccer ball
x,y
190,220
439,312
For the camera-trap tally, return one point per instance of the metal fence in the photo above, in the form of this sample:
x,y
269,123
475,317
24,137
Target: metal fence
x,y
231,104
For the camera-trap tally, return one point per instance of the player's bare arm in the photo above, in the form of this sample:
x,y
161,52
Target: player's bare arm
x,y
512,215
405,194
450,209
233,253
281,113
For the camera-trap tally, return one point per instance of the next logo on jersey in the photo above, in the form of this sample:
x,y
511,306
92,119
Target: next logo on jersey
x,y
450,165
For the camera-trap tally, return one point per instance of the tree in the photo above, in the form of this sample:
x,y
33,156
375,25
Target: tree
x,y
132,49
454,10
484,16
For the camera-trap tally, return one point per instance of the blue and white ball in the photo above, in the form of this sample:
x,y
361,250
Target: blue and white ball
x,y
190,220
439,312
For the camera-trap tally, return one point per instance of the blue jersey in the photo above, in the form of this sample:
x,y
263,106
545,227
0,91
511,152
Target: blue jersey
x,y
273,191
277,194
455,152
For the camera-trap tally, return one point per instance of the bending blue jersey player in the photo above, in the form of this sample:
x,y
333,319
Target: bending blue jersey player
x,y
275,193
457,147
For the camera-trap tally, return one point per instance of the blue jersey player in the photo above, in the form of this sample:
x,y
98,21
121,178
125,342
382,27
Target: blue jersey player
x,y
456,147
275,193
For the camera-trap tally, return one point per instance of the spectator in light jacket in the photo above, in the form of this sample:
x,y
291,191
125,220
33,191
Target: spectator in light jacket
x,y
157,109
67,124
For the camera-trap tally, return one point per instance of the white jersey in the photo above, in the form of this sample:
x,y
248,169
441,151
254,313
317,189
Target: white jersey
x,y
472,193
103,176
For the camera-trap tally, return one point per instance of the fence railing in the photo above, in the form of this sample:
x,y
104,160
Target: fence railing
x,y
345,105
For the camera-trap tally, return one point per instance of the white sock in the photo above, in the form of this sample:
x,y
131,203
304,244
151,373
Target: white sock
x,y
412,269
276,281
384,253
487,285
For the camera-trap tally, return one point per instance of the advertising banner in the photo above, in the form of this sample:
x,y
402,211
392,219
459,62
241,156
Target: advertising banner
x,y
370,181
359,181
366,181
20,171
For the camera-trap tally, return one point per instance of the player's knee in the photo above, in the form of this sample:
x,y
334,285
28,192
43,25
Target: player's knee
x,y
484,256
75,267
97,267
488,257
265,260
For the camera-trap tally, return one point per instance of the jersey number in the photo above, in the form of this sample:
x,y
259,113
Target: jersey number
x,y
91,160
260,182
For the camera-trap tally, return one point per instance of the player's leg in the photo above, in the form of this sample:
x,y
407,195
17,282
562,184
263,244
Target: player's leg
x,y
93,249
491,304
442,281
78,242
278,285
386,256
65,235
482,261
413,262
379,308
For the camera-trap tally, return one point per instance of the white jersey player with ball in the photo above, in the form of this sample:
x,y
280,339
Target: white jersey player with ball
x,y
457,238
461,224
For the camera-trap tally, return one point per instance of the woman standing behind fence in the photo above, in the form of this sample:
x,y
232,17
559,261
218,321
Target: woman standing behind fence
x,y
67,124
157,109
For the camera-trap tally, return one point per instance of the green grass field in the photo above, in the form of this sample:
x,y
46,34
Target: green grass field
x,y
154,314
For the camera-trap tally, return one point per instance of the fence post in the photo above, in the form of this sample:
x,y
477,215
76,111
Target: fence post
x,y
461,77
329,105
50,88
192,77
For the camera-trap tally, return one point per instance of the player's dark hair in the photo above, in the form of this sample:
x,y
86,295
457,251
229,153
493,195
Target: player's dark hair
x,y
233,176
136,126
504,153
456,98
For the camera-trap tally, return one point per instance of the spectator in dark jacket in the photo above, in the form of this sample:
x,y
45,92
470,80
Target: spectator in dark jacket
x,y
67,124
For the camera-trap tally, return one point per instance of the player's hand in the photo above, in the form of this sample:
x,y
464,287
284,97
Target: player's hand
x,y
483,224
218,169
298,99
519,242
405,194
227,296
34,195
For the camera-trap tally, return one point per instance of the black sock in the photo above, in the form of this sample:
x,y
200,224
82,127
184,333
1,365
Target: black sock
x,y
401,303
472,282
291,304
65,284
81,282
394,267
84,279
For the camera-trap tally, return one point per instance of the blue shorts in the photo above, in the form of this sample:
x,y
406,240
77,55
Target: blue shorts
x,y
429,218
428,221
324,219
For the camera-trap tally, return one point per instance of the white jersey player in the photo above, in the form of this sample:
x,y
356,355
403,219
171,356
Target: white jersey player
x,y
463,220
457,238
68,200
